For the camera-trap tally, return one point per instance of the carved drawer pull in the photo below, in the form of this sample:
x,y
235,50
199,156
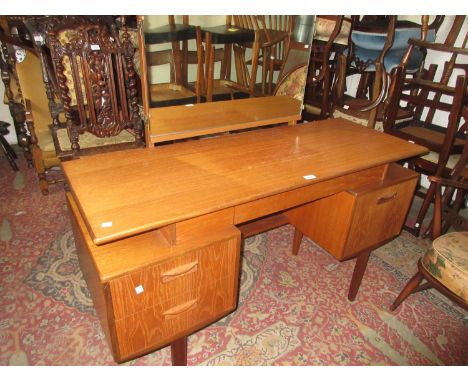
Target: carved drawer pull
x,y
385,199
179,271
186,306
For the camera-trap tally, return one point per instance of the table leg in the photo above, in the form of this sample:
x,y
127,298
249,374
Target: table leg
x,y
179,352
298,235
359,269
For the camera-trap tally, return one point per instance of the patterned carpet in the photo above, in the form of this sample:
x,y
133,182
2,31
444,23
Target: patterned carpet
x,y
292,310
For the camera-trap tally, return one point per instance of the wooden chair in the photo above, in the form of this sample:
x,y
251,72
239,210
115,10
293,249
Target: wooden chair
x,y
13,95
274,33
293,74
176,91
331,38
445,143
97,82
376,48
41,159
445,264
223,87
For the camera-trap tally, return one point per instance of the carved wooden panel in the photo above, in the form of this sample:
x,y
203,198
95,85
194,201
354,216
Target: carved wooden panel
x,y
96,79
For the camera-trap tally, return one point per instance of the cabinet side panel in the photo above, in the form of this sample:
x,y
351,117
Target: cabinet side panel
x,y
326,221
90,273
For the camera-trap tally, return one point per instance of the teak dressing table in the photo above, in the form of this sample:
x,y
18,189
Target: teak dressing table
x,y
156,229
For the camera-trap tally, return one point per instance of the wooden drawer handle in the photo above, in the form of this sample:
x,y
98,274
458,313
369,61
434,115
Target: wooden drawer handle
x,y
385,199
186,306
179,271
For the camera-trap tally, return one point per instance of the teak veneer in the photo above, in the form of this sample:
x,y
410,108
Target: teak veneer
x,y
187,121
156,229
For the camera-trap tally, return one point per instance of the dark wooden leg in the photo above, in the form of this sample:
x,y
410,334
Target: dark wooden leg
x,y
9,153
179,352
359,269
408,289
296,241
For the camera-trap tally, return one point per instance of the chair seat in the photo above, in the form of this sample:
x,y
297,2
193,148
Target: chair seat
x,y
88,140
429,135
362,117
434,158
447,261
171,94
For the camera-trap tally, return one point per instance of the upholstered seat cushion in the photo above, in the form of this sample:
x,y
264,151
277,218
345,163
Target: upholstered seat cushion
x,y
324,28
293,84
46,144
447,261
88,140
368,46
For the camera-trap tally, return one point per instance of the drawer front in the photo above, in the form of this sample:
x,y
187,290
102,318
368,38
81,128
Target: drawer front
x,y
378,216
164,322
192,271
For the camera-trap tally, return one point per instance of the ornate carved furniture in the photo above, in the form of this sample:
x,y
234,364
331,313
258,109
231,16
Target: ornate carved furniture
x,y
38,147
444,143
184,264
445,264
98,89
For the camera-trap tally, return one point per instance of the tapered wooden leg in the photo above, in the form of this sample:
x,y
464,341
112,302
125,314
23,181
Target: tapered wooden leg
x,y
297,241
408,289
359,269
179,352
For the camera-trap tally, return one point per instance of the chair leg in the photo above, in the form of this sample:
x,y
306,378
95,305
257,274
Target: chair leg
x,y
408,289
9,153
423,210
297,241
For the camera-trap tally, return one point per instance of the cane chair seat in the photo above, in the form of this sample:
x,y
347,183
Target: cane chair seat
x,y
447,261
362,117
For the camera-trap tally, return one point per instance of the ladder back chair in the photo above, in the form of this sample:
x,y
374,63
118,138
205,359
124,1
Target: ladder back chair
x,y
445,264
413,95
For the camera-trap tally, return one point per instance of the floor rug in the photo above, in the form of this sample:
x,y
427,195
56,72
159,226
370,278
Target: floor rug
x,y
292,310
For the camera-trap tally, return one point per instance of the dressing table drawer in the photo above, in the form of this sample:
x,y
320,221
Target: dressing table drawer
x,y
350,222
162,323
193,271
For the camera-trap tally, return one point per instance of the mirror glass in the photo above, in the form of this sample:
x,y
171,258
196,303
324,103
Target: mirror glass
x,y
173,57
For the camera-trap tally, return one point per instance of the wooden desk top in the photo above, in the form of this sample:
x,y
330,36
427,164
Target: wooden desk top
x,y
177,122
128,192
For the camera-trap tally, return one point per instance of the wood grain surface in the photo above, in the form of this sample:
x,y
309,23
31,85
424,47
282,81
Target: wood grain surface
x,y
177,122
125,193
